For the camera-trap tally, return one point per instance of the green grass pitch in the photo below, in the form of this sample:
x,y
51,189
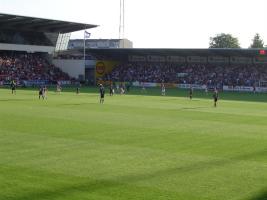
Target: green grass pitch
x,y
134,147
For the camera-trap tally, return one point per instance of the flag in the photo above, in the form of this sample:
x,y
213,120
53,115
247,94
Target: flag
x,y
87,35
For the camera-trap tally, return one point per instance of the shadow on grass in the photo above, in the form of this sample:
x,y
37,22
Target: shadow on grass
x,y
261,196
95,185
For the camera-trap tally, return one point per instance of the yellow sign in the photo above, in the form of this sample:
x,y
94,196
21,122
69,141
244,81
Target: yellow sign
x,y
104,67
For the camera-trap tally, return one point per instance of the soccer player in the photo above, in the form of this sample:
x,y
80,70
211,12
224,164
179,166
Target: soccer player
x,y
78,88
143,88
44,92
102,93
163,90
118,88
58,88
122,91
215,97
128,86
191,93
41,92
206,89
122,88
111,90
254,89
13,87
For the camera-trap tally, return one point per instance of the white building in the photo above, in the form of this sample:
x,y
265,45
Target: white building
x,y
100,43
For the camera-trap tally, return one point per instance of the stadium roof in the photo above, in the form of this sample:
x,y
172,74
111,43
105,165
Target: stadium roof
x,y
120,53
16,22
180,52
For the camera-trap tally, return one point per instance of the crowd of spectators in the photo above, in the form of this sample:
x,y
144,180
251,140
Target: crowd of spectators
x,y
28,67
202,74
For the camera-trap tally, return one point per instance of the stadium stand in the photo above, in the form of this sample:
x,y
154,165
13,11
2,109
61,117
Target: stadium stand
x,y
23,66
27,46
200,67
201,74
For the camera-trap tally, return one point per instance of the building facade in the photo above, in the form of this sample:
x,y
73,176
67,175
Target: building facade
x,y
100,43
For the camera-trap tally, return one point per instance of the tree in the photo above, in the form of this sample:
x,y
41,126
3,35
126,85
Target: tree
x,y
224,41
257,42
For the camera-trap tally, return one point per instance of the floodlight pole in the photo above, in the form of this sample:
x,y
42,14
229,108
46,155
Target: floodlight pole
x,y
122,20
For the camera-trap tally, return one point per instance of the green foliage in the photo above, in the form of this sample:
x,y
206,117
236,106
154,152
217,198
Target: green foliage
x,y
224,41
133,146
257,42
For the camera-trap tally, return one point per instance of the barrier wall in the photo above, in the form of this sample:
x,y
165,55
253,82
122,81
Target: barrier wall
x,y
201,87
199,59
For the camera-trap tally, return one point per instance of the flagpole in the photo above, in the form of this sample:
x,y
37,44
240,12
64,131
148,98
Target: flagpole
x,y
84,49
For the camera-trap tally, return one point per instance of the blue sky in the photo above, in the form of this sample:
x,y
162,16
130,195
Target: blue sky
x,y
155,23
